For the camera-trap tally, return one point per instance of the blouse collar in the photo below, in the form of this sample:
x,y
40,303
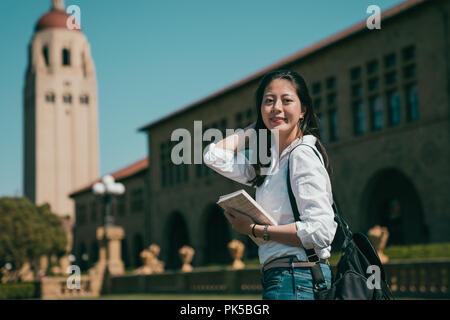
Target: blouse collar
x,y
308,139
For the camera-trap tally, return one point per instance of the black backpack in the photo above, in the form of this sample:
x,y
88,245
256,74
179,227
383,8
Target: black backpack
x,y
353,279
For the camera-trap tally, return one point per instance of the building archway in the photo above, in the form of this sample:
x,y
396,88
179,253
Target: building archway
x,y
124,252
390,199
138,246
83,257
217,236
178,236
93,257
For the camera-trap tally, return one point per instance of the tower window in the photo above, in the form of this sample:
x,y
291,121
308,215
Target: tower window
x,y
83,64
66,57
45,54
84,99
50,97
67,98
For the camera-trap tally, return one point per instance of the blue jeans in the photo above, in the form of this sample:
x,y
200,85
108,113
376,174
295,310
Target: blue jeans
x,y
281,284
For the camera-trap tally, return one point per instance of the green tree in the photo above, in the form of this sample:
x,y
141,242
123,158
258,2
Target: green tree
x,y
27,232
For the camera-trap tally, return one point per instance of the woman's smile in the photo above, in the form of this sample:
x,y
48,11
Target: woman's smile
x,y
278,120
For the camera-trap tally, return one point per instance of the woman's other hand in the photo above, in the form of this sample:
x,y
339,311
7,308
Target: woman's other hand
x,y
240,222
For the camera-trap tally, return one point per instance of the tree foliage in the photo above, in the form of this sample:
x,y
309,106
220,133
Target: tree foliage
x,y
28,231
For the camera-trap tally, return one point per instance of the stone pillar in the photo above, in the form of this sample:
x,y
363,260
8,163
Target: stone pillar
x,y
110,248
186,255
379,236
236,249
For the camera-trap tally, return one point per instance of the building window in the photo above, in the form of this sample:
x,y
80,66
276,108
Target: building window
x,y
333,122
239,120
83,64
45,54
359,118
317,103
357,90
137,200
355,74
331,83
171,173
393,100
372,67
376,112
409,71
316,88
374,84
66,57
50,97
409,53
204,169
223,123
249,114
198,170
390,60
177,173
164,165
67,98
84,99
331,99
390,78
412,102
171,165
322,127
186,172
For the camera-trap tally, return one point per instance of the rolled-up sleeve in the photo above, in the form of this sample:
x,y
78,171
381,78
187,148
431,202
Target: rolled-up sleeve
x,y
234,166
312,190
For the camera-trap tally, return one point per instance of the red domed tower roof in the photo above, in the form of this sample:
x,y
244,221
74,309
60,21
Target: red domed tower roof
x,y
55,18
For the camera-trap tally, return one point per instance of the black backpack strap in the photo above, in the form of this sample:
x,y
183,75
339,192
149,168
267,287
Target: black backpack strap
x,y
337,217
311,254
318,279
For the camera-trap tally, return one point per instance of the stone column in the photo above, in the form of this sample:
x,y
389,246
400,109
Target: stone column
x,y
110,248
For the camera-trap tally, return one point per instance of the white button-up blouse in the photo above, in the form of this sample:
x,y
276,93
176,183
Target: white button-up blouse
x,y
311,187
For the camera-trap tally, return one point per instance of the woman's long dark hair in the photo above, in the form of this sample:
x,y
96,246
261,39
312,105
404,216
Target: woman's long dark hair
x,y
308,125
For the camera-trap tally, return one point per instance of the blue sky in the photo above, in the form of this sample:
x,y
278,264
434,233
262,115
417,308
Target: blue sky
x,y
154,57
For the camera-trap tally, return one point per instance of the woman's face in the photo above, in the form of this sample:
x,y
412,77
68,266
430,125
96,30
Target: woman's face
x,y
281,107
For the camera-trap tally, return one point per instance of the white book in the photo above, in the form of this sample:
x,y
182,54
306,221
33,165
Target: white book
x,y
243,202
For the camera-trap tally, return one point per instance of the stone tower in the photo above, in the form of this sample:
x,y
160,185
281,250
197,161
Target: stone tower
x,y
60,112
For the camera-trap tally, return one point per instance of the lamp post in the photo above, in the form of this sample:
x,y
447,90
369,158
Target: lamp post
x,y
109,235
108,188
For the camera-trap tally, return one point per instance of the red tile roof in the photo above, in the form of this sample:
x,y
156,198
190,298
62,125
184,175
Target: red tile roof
x,y
126,172
54,19
353,30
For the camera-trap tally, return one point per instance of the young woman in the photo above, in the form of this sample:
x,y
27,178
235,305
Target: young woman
x,y
283,104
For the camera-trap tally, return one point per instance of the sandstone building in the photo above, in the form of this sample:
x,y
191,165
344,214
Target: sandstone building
x,y
382,97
